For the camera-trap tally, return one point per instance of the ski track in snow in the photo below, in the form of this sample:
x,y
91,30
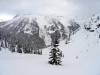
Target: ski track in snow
x,y
81,57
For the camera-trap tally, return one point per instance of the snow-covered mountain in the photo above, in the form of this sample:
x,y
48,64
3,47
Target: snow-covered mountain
x,y
29,24
30,33
81,57
93,24
35,32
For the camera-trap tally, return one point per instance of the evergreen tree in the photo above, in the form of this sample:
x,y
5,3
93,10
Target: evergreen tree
x,y
0,48
12,48
19,50
2,44
55,54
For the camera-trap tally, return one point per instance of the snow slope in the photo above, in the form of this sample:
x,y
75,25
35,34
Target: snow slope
x,y
81,57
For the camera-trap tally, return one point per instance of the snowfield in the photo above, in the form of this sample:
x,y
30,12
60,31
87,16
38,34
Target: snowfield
x,y
81,57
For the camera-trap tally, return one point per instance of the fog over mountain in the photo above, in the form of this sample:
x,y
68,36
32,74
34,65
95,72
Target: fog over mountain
x,y
69,8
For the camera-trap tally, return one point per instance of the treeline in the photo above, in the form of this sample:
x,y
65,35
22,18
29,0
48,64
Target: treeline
x,y
21,42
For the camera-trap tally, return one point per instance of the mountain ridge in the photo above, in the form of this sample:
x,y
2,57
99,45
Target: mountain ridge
x,y
35,32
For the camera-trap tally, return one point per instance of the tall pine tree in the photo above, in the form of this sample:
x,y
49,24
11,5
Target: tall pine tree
x,y
55,54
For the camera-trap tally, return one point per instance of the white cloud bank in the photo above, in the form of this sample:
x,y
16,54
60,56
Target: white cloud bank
x,y
39,7
68,8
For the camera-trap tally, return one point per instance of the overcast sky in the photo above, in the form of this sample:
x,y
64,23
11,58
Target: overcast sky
x,y
68,8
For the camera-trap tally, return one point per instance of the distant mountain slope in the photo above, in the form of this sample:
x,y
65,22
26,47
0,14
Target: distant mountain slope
x,y
34,32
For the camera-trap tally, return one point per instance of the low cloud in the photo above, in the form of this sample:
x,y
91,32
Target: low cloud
x,y
68,8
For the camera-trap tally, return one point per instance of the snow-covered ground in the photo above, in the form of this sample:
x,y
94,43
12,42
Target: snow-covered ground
x,y
81,57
